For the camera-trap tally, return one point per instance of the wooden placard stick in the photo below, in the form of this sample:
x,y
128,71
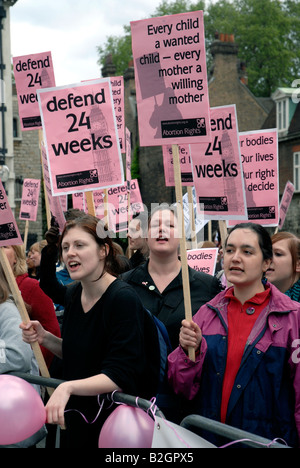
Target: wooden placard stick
x,y
223,233
26,234
183,256
209,231
23,313
90,203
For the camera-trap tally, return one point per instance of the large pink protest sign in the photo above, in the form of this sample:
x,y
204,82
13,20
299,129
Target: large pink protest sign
x,y
185,165
203,260
9,232
55,206
171,79
81,137
285,202
32,72
217,169
117,198
30,199
259,151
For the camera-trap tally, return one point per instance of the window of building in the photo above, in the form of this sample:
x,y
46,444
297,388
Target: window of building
x,y
297,171
18,188
282,114
17,134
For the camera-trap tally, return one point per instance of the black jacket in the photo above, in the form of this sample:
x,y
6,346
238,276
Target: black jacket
x,y
168,306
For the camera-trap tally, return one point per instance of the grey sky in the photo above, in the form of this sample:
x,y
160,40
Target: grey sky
x,y
71,30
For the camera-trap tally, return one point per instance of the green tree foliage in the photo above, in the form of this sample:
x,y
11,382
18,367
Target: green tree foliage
x,y
267,33
268,36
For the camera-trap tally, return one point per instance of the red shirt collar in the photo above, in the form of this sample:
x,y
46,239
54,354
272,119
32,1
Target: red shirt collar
x,y
259,298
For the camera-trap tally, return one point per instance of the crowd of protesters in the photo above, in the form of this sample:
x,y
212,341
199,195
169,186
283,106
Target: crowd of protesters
x,y
89,305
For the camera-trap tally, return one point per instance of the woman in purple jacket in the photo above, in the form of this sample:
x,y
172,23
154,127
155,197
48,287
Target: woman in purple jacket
x,y
247,342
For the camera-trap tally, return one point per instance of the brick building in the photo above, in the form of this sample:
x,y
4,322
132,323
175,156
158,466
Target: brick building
x,y
285,115
27,164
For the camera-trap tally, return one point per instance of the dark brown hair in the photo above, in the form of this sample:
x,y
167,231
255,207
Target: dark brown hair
x,y
100,234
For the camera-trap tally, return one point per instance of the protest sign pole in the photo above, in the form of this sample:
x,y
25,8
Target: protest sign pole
x,y
26,234
90,203
223,232
23,312
183,257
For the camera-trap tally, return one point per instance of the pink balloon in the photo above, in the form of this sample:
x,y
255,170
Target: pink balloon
x,y
127,427
22,412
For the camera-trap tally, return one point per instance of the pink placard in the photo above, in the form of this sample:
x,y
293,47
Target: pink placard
x,y
31,73
117,89
81,137
79,202
117,198
171,79
203,260
30,199
217,169
285,202
9,232
117,86
185,165
55,206
259,150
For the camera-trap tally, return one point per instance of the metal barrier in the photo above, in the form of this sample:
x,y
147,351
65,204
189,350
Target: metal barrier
x,y
247,438
189,422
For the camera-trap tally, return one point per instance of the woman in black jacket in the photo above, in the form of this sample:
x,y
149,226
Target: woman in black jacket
x,y
158,282
159,285
105,335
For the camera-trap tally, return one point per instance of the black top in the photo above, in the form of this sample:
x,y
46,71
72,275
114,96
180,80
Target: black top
x,y
168,306
116,338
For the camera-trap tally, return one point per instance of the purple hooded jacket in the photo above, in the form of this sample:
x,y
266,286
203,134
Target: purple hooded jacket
x,y
265,398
